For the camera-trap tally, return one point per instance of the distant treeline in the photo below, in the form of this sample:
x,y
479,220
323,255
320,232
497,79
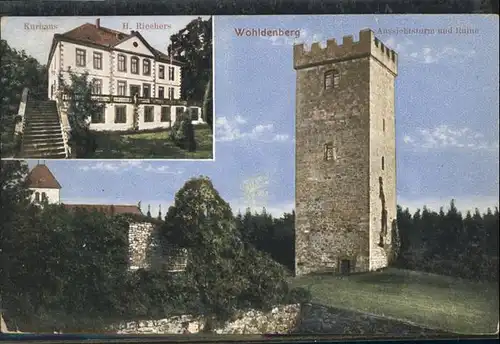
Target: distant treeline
x,y
450,243
447,243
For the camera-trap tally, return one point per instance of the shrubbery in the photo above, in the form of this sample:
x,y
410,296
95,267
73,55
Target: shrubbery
x,y
182,132
81,107
67,270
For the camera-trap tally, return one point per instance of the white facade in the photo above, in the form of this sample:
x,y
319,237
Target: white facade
x,y
53,196
106,69
119,73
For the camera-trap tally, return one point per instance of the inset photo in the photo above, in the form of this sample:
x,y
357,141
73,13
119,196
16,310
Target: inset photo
x,y
107,87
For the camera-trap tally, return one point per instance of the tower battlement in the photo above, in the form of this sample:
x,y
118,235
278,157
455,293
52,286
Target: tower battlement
x,y
368,45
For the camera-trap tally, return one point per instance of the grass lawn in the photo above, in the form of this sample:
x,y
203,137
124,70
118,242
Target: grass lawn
x,y
428,300
151,145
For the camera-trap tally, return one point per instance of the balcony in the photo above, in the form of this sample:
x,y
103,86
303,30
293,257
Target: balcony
x,y
107,98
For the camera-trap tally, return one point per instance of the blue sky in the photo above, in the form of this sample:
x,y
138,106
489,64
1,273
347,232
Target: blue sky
x,y
446,118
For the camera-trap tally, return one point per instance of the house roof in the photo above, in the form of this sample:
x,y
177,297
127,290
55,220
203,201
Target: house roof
x,y
104,38
108,209
41,177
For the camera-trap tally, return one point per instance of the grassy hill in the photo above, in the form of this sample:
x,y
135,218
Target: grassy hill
x,y
427,300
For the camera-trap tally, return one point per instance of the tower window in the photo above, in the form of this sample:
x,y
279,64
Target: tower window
x,y
383,164
383,125
332,79
329,152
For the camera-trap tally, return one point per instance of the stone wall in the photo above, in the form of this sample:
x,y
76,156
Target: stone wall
x,y
382,178
143,245
147,252
334,197
281,319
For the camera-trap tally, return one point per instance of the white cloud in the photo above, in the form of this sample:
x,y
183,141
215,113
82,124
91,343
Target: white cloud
x,y
445,137
463,203
408,50
230,129
122,166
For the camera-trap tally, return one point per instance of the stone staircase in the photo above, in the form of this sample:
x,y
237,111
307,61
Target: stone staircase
x,y
42,137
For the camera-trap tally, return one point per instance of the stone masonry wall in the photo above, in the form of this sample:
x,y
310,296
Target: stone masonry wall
x,y
334,197
281,319
143,245
382,144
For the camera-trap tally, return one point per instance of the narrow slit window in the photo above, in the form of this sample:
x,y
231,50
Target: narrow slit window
x,y
383,163
329,152
383,125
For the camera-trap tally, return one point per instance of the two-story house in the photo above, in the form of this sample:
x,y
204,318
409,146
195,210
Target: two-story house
x,y
139,85
145,250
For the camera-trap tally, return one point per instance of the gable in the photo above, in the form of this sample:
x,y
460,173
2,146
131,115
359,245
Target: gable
x,y
135,45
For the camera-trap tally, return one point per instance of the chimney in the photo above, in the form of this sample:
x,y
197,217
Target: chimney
x,y
98,22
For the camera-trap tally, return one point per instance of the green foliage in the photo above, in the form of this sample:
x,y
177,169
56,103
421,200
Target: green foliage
x,y
193,46
80,111
18,71
449,244
274,236
227,273
182,132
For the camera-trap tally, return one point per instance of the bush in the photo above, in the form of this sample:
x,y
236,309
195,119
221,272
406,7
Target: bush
x,y
182,133
82,142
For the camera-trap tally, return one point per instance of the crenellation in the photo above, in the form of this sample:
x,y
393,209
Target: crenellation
x,y
367,45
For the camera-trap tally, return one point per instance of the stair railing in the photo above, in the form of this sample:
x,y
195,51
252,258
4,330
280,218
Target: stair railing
x,y
20,122
64,122
21,118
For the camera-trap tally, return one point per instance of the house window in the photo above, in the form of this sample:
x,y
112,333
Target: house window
x,y
97,60
122,63
134,65
146,91
98,117
122,88
120,114
170,93
161,72
161,92
44,196
383,163
165,113
97,86
81,56
37,196
149,114
146,67
329,152
332,79
171,73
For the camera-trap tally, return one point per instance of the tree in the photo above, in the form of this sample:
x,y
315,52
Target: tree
x,y
15,209
226,274
80,111
18,71
193,47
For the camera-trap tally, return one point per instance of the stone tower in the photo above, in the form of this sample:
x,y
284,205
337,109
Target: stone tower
x,y
345,181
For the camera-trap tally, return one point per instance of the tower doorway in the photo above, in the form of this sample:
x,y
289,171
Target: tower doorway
x,y
345,266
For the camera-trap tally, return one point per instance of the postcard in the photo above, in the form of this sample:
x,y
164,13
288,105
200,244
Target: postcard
x,y
354,195
108,87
